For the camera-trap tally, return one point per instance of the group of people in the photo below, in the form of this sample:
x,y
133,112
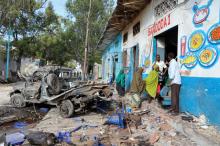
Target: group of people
x,y
161,75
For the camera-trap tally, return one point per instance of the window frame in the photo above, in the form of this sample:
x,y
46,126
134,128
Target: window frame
x,y
136,28
125,37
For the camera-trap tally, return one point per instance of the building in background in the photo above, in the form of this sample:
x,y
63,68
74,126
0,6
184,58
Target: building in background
x,y
77,72
97,71
13,65
190,29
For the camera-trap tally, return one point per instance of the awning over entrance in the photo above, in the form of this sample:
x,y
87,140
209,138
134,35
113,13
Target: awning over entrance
x,y
124,13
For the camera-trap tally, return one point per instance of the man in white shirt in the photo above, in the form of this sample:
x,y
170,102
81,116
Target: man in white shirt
x,y
175,82
162,69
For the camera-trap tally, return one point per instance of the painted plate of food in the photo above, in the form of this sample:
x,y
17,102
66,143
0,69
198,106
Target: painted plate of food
x,y
208,56
196,40
190,60
214,34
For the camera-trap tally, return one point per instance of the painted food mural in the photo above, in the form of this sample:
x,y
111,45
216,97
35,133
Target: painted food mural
x,y
145,58
146,53
183,45
208,56
214,34
196,40
201,15
190,60
147,62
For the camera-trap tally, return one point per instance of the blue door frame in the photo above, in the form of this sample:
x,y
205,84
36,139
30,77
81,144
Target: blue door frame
x,y
131,67
154,54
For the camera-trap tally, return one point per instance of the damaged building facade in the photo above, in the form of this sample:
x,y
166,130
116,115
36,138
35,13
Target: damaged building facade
x,y
188,28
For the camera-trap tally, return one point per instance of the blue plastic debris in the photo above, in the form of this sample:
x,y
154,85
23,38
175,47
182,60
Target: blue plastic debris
x,y
44,110
15,139
164,91
166,101
97,142
117,119
128,109
164,94
64,137
20,125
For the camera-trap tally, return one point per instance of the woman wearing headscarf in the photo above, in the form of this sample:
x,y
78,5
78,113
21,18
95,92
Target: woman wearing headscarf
x,y
137,85
152,82
120,83
137,88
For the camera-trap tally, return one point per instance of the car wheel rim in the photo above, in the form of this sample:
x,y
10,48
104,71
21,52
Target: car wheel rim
x,y
17,102
64,110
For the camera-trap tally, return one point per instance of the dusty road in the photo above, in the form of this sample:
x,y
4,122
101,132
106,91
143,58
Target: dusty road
x,y
5,89
4,93
13,115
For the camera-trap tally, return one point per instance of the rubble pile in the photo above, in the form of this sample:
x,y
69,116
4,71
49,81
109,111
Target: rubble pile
x,y
10,116
111,123
142,127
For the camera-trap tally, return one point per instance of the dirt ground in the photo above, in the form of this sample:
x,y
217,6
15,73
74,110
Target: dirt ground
x,y
5,89
155,127
29,115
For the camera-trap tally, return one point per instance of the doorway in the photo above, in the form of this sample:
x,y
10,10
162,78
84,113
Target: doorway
x,y
124,60
132,66
136,57
166,42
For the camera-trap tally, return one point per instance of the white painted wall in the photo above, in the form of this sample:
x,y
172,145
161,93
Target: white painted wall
x,y
181,16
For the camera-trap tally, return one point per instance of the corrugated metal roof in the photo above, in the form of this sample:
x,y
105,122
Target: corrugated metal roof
x,y
124,13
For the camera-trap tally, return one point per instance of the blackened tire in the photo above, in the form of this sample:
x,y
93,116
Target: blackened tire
x,y
17,100
53,84
66,109
36,76
41,138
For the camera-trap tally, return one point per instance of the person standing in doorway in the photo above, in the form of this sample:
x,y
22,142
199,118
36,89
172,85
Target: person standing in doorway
x,y
162,70
175,82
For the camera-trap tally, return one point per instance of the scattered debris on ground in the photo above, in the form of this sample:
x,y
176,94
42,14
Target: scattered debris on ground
x,y
13,119
110,122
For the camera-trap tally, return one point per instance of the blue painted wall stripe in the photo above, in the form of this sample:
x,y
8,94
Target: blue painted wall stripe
x,y
201,96
154,49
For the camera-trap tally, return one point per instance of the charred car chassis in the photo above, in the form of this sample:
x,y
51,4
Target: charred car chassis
x,y
68,101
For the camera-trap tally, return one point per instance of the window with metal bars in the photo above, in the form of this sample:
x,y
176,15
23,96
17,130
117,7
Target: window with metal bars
x,y
125,37
136,28
164,7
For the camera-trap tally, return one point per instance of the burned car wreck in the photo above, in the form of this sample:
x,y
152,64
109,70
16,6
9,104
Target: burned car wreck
x,y
52,88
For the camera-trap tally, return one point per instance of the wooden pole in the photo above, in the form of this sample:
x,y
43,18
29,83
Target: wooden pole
x,y
86,42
